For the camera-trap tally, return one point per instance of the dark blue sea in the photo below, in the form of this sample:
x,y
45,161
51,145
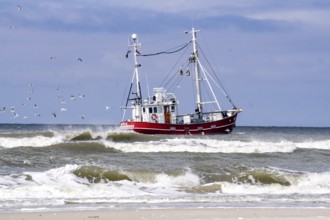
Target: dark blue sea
x,y
59,167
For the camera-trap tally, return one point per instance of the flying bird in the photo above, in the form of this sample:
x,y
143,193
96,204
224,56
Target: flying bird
x,y
108,107
127,53
12,109
53,58
15,115
82,117
79,59
19,7
54,114
63,109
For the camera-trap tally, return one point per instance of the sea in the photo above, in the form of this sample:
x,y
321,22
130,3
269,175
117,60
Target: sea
x,y
88,167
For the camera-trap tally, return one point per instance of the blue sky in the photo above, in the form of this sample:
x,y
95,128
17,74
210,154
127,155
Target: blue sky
x,y
273,56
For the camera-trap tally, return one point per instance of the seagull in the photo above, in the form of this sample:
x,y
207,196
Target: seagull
x,y
19,7
12,109
63,109
72,97
63,102
54,114
37,114
35,106
15,115
29,98
108,107
181,71
82,116
3,109
57,88
79,59
128,53
53,58
12,27
82,96
25,117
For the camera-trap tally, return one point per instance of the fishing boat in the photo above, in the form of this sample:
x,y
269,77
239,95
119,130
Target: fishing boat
x,y
159,113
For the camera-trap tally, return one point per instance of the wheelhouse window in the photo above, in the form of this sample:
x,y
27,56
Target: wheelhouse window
x,y
155,109
172,108
150,110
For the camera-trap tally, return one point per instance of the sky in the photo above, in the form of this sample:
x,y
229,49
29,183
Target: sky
x,y
273,57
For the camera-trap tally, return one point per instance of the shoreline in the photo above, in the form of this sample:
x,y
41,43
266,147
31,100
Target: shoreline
x,y
174,214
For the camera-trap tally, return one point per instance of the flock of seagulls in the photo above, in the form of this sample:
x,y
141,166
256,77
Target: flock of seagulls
x,y
35,108
30,108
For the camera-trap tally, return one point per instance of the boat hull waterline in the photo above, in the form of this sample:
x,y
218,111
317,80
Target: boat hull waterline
x,y
223,126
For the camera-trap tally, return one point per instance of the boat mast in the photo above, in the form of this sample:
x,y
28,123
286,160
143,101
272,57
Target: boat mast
x,y
135,46
194,59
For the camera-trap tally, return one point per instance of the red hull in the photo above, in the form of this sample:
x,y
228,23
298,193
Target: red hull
x,y
222,126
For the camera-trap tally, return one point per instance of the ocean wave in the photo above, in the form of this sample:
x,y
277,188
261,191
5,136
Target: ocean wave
x,y
309,183
323,145
84,147
251,181
130,137
36,141
132,142
205,146
26,134
74,184
96,174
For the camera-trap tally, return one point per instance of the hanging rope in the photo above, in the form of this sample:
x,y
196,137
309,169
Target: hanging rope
x,y
164,52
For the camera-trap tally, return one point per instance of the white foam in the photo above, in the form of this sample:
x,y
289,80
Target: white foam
x,y
37,141
59,186
324,145
186,180
204,146
308,183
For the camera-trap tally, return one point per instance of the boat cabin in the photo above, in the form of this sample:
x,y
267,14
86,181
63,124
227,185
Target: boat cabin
x,y
162,107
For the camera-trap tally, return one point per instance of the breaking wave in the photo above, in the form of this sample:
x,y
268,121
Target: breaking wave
x,y
132,142
73,182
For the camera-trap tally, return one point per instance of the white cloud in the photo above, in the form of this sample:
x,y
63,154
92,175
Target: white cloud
x,y
318,18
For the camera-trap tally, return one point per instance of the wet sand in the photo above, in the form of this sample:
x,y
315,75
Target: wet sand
x,y
176,214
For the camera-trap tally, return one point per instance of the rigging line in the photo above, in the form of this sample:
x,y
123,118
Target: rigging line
x,y
213,71
217,80
170,80
220,86
166,81
175,84
176,73
165,52
208,83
